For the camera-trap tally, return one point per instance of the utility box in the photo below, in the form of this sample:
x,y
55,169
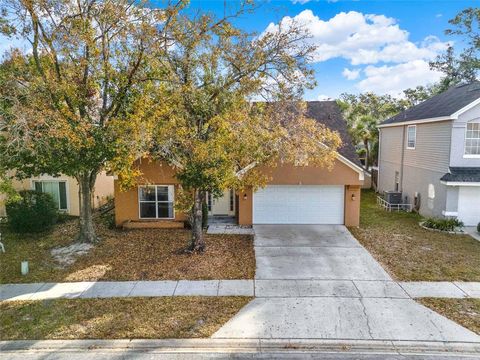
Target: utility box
x,y
393,197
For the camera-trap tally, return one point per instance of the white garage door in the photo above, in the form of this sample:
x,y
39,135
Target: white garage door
x,y
298,204
469,205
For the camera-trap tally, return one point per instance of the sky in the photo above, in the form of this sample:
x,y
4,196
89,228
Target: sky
x,y
379,46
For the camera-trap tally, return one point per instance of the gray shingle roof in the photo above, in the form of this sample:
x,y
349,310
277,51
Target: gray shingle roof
x,y
462,174
444,104
330,114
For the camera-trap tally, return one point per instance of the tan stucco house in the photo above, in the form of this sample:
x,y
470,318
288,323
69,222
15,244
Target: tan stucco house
x,y
294,195
64,190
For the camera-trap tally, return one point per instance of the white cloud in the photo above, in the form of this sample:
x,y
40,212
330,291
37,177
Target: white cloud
x,y
394,79
323,97
301,2
362,38
385,59
351,74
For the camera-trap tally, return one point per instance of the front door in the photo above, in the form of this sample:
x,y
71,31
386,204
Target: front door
x,y
224,205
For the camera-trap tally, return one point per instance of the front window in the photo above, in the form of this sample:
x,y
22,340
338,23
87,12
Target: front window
x,y
472,139
411,136
57,189
156,201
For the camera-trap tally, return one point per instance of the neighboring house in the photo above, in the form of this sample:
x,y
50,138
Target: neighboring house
x,y
64,190
295,195
431,153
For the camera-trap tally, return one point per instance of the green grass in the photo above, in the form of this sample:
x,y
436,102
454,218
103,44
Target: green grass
x,y
117,318
411,253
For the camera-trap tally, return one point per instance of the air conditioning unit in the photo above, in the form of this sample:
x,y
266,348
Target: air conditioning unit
x,y
393,197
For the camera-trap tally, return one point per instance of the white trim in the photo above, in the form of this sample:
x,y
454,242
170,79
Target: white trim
x,y
156,201
419,121
49,178
358,169
456,114
460,183
469,156
415,137
449,213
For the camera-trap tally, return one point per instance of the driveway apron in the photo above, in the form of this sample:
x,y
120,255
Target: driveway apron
x,y
318,282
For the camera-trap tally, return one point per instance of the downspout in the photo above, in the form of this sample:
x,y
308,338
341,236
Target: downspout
x,y
403,157
379,158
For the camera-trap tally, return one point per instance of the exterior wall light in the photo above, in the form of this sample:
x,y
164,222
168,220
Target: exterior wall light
x,y
353,197
245,196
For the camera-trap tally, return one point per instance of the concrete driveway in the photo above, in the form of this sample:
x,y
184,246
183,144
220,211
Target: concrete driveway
x,y
327,252
318,282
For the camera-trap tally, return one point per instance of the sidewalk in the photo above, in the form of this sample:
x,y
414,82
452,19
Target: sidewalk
x,y
257,288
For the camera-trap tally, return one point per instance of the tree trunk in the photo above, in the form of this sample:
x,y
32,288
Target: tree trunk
x,y
198,241
87,230
367,155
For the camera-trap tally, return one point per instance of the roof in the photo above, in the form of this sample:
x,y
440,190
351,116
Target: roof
x,y
330,114
444,104
462,174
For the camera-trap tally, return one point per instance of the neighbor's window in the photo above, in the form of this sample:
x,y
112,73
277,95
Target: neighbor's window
x,y
472,139
156,201
411,136
58,190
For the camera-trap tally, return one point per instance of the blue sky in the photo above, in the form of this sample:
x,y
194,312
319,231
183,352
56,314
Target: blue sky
x,y
379,46
385,53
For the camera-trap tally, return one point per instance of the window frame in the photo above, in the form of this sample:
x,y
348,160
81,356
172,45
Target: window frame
x,y
414,138
168,186
465,155
57,181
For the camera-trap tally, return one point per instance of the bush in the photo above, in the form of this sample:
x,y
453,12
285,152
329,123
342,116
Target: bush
x,y
63,217
478,228
32,212
443,224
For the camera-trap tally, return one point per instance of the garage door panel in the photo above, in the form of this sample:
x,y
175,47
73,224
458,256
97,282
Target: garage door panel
x,y
469,205
295,204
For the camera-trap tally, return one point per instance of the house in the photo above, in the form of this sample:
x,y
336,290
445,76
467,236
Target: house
x,y
431,153
294,195
64,190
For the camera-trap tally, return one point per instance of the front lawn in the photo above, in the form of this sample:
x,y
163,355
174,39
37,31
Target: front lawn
x,y
144,254
117,318
411,253
466,312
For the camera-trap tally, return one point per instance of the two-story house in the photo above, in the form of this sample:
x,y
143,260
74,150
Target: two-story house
x,y
431,153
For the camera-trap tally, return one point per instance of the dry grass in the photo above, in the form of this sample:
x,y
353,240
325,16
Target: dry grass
x,y
411,253
466,312
146,254
117,318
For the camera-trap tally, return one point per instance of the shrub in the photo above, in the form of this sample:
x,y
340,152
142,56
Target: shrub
x,y
63,217
32,212
478,228
443,224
